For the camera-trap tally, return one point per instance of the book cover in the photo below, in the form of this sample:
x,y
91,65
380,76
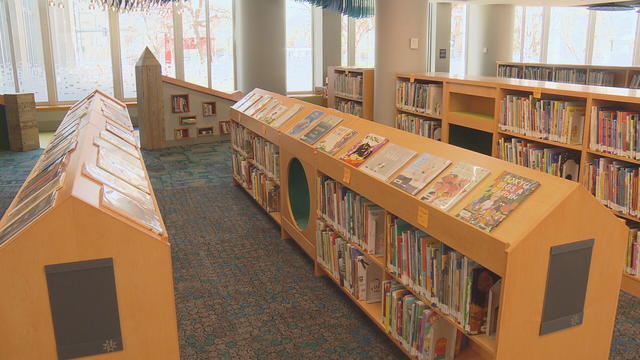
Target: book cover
x,y
268,108
454,185
421,172
286,116
361,151
333,142
305,123
253,109
130,208
374,279
322,128
240,103
498,201
493,308
274,114
481,284
387,161
12,228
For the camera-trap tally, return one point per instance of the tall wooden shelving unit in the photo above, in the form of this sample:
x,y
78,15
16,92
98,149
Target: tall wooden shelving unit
x,y
622,75
559,212
76,229
481,116
333,96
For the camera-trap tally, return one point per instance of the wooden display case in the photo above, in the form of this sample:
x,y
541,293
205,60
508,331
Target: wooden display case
x,y
180,103
362,98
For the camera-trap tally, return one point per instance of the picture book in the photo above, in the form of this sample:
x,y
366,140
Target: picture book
x,y
26,218
498,200
305,123
454,185
103,177
242,101
481,283
123,134
268,107
258,105
387,161
361,151
130,208
130,149
25,204
421,172
275,113
286,116
318,131
252,100
120,169
333,142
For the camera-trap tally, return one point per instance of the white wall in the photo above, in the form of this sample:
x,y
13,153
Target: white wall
x,y
489,38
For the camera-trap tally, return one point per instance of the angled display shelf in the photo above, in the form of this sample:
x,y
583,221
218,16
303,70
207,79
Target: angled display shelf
x,y
559,230
85,259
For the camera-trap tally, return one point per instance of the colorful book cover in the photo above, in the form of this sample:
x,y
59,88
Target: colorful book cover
x,y
304,124
421,172
267,108
318,131
274,114
242,101
250,101
498,200
361,151
286,116
336,140
454,185
481,284
387,161
251,111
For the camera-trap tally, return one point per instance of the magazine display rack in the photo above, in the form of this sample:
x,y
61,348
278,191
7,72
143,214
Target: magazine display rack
x,y
87,270
525,250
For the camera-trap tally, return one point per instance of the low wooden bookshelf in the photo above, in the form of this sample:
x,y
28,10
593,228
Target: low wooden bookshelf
x,y
558,213
85,240
615,76
351,86
472,112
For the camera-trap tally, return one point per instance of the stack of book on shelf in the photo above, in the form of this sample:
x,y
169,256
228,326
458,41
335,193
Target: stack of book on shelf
x,y
635,81
349,84
615,184
349,107
555,120
510,71
571,76
431,129
537,73
419,97
180,104
632,262
600,77
615,132
542,157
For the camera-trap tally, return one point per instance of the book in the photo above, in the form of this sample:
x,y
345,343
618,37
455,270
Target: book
x,y
130,208
120,169
124,135
373,283
387,161
321,129
333,142
130,149
253,109
454,185
287,116
274,114
97,174
493,308
12,228
361,151
498,200
268,107
250,101
305,123
240,103
482,282
421,172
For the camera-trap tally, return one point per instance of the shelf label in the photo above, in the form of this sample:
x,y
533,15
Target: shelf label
x,y
346,175
264,130
423,217
412,79
537,93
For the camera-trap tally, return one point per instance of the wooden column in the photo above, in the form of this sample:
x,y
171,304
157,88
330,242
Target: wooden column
x,y
22,126
150,102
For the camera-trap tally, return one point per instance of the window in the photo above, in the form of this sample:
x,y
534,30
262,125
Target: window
x,y
221,44
7,84
194,42
299,46
344,41
457,63
614,37
532,39
81,49
517,33
365,46
153,29
27,43
568,35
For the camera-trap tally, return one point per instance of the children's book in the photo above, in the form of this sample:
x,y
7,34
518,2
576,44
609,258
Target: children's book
x,y
387,161
454,185
498,200
274,114
286,116
305,123
318,131
361,151
333,142
421,172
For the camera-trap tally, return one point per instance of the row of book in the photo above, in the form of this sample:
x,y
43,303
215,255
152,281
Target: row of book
x,y
349,107
556,120
351,269
420,97
416,124
422,331
266,109
615,132
538,73
601,78
267,155
262,187
632,261
180,104
458,286
635,81
571,76
546,158
510,71
615,184
358,220
350,85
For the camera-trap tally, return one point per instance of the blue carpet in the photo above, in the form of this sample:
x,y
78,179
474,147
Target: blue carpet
x,y
241,292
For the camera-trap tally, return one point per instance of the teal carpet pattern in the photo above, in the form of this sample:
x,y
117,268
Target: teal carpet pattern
x,y
241,291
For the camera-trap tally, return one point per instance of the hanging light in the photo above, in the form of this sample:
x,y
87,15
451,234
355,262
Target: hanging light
x,y
350,8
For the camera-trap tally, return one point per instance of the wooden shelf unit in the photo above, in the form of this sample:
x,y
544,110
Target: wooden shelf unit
x,y
180,103
622,75
518,250
422,116
333,96
80,227
500,87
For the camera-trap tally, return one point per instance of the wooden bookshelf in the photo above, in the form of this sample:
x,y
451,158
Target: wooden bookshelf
x,y
499,88
182,134
205,131
366,100
559,212
180,103
79,229
619,76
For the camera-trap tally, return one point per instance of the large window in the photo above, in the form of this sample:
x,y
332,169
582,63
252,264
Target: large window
x,y
7,84
365,39
81,49
458,49
568,35
532,38
614,36
299,46
221,44
194,41
344,40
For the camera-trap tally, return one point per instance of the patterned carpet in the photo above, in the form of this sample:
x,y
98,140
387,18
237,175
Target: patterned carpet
x,y
241,292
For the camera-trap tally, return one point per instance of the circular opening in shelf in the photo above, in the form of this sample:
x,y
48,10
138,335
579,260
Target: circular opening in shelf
x,y
298,193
